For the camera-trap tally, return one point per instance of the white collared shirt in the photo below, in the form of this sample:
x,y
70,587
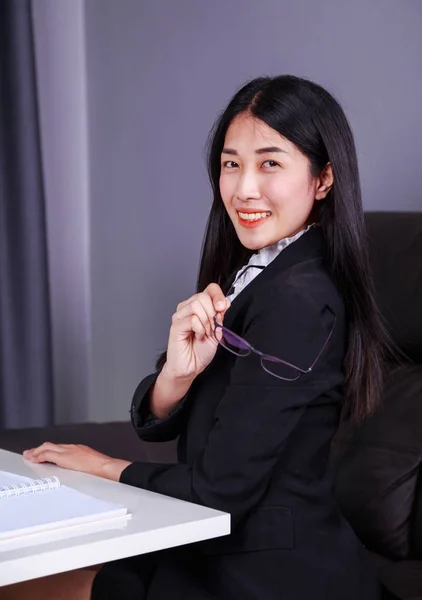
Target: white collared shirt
x,y
261,260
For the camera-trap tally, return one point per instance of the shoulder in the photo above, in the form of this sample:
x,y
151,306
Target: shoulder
x,y
306,287
294,314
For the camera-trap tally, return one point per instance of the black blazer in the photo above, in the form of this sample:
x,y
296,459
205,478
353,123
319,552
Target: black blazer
x,y
258,448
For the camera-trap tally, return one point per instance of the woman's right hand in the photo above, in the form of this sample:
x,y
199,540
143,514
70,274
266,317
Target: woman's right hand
x,y
192,344
191,347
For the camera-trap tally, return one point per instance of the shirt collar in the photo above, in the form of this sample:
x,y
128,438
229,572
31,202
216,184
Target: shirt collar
x,y
260,260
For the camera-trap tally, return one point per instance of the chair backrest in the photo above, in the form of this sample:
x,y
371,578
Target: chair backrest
x,y
379,463
395,244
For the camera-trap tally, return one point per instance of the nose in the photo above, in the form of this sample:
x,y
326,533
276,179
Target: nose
x,y
248,188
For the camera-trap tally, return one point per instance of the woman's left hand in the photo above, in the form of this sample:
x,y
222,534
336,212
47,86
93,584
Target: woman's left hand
x,y
77,457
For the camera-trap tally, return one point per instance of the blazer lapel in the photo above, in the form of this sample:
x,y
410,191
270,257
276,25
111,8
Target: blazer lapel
x,y
308,246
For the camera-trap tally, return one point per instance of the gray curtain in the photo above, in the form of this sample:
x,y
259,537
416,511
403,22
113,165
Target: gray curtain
x,y
26,397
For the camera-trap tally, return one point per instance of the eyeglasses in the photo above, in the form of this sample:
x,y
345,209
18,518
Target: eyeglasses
x,y
274,366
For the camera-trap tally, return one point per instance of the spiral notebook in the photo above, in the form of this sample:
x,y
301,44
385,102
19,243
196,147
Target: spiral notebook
x,y
30,506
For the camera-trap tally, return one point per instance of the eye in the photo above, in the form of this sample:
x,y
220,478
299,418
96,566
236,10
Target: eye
x,y
271,163
230,164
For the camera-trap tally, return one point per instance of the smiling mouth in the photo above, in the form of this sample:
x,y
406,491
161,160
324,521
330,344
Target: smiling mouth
x,y
255,218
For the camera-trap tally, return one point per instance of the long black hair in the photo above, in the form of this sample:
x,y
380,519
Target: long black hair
x,y
307,115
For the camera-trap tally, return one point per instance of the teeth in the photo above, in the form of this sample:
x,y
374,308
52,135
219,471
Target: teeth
x,y
253,216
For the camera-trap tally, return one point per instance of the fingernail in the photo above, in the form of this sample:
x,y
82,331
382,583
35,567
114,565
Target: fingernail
x,y
221,305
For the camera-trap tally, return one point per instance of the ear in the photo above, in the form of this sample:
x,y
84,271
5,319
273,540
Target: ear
x,y
324,182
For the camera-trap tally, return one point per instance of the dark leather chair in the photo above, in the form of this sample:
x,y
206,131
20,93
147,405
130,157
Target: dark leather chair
x,y
378,464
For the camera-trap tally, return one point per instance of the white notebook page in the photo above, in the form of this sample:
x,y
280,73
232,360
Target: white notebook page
x,y
52,509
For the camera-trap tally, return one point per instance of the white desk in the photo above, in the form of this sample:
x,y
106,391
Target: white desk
x,y
157,522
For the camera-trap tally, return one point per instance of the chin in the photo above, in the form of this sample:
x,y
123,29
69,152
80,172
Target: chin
x,y
253,244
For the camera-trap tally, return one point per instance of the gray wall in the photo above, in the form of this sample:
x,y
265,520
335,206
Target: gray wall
x,y
158,72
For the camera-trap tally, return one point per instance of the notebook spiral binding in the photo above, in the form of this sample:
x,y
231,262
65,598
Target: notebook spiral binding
x,y
29,487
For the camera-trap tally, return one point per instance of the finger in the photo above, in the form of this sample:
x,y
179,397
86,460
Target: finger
x,y
185,302
203,308
198,328
219,301
218,333
205,299
201,303
219,318
214,291
46,456
181,319
44,447
31,451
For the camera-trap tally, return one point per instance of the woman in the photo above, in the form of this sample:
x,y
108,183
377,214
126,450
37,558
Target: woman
x,y
255,414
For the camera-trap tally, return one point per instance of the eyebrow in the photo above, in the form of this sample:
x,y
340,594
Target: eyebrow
x,y
267,150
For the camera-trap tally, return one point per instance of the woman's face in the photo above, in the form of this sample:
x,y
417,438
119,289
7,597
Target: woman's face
x,y
266,184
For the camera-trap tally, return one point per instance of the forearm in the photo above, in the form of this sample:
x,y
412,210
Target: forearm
x,y
167,393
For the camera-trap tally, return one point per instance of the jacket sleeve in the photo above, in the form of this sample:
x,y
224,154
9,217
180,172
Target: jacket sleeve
x,y
255,416
148,427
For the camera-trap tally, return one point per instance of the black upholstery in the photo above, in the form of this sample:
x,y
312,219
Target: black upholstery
x,y
378,475
396,259
379,472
